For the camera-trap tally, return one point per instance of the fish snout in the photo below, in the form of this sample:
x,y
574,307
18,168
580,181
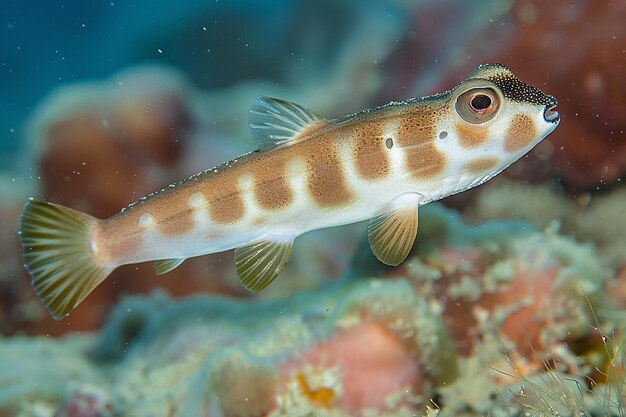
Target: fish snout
x,y
549,115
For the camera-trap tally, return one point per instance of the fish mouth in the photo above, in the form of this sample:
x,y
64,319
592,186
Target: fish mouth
x,y
549,115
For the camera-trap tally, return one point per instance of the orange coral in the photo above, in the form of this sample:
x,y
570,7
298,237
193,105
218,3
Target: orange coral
x,y
322,396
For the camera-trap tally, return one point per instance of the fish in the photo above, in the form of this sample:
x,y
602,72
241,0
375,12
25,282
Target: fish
x,y
306,173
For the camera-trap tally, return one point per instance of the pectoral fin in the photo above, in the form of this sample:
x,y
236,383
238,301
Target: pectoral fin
x,y
167,265
260,262
391,234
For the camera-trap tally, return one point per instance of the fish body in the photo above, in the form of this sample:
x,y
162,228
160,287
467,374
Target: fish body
x,y
308,173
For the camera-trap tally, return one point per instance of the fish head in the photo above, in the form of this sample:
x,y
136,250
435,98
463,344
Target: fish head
x,y
495,118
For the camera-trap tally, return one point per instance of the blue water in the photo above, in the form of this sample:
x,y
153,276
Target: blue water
x,y
216,43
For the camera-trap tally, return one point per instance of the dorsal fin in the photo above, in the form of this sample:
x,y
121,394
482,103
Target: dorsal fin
x,y
275,122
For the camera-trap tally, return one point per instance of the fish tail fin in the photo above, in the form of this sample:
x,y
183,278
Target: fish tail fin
x,y
59,253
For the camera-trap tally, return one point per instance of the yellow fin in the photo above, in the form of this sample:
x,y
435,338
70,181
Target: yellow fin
x,y
260,262
274,122
391,234
57,250
167,265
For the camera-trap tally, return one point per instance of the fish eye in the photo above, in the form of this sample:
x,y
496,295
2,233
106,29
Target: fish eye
x,y
480,102
477,105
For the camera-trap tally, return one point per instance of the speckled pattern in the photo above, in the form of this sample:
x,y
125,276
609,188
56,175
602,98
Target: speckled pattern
x,y
520,134
511,86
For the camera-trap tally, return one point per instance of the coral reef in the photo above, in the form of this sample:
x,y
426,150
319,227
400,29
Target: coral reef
x,y
509,317
190,357
475,311
596,219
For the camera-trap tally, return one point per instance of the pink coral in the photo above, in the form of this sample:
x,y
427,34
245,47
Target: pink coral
x,y
372,364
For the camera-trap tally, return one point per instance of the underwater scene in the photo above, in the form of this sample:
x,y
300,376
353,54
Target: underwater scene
x,y
210,208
